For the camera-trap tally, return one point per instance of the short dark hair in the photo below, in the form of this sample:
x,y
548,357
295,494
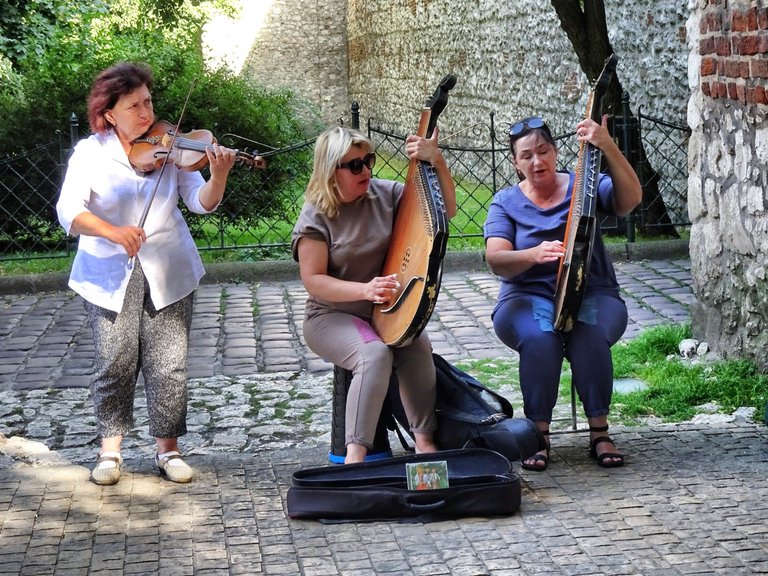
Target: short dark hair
x,y
110,85
523,128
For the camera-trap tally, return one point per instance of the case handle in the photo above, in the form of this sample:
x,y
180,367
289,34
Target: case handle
x,y
425,507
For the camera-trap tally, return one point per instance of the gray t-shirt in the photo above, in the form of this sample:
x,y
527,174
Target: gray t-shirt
x,y
357,238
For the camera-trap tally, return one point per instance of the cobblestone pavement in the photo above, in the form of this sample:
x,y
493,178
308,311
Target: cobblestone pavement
x,y
692,499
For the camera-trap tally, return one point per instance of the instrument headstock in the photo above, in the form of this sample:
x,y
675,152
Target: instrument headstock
x,y
601,87
436,103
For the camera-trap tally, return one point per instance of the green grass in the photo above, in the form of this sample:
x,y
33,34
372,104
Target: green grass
x,y
36,265
675,386
650,347
492,373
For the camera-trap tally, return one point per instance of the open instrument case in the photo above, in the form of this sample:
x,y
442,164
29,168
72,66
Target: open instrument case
x,y
479,483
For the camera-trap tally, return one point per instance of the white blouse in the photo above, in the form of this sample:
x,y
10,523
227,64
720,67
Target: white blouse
x,y
101,180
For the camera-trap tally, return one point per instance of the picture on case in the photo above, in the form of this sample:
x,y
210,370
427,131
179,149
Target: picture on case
x,y
427,475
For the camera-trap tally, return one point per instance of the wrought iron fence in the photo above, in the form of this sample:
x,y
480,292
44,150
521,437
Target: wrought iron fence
x,y
30,181
29,187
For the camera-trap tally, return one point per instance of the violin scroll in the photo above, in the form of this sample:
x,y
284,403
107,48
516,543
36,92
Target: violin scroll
x,y
251,160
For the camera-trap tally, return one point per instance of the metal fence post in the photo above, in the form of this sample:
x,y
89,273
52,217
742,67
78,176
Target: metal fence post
x,y
74,131
355,115
626,141
493,154
74,135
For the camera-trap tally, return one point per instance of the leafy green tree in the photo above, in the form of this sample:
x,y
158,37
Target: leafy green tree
x,y
46,77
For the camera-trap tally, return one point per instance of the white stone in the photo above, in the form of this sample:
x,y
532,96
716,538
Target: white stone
x,y
687,347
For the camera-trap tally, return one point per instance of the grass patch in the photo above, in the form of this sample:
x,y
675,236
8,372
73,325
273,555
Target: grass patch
x,y
32,265
281,408
492,373
675,386
650,347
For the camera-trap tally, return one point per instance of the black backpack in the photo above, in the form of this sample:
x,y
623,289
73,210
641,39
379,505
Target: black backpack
x,y
470,415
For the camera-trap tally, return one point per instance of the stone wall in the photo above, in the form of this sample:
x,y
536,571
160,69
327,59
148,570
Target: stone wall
x,y
728,175
511,57
296,44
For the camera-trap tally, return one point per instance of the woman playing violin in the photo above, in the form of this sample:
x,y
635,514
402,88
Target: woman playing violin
x,y
137,281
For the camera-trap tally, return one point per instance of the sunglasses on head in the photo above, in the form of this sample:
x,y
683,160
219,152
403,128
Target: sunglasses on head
x,y
531,124
356,166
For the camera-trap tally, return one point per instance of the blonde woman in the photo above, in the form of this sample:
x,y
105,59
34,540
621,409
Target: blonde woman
x,y
340,241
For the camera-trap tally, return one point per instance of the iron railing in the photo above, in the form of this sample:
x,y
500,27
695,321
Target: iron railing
x,y
30,181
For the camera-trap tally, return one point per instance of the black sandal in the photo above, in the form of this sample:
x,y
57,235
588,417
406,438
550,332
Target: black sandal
x,y
537,458
606,459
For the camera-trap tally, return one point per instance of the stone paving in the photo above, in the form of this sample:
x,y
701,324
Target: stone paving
x,y
693,498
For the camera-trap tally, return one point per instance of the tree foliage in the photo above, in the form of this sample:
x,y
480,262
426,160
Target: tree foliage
x,y
50,51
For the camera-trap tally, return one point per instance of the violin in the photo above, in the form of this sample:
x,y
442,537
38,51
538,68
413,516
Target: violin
x,y
148,152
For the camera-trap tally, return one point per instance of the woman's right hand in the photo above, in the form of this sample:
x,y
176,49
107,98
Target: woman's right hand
x,y
129,237
547,252
381,289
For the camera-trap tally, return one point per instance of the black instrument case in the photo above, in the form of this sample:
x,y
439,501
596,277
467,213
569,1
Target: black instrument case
x,y
480,483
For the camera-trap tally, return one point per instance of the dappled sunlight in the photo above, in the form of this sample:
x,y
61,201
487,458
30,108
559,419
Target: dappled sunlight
x,y
228,41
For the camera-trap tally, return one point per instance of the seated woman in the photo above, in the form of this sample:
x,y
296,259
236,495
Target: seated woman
x,y
340,241
524,232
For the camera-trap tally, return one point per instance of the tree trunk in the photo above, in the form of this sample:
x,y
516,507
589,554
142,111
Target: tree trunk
x,y
587,30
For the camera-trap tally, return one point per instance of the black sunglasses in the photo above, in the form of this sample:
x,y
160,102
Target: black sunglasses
x,y
530,124
356,166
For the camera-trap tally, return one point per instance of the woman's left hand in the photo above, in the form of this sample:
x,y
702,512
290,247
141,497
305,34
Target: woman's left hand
x,y
596,134
627,190
425,149
220,160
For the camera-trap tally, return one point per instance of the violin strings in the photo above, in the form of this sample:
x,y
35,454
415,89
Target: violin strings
x,y
197,146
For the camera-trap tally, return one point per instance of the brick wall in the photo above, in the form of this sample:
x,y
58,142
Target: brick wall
x,y
733,49
728,175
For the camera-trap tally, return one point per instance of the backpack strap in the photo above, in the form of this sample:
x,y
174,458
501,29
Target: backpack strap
x,y
403,442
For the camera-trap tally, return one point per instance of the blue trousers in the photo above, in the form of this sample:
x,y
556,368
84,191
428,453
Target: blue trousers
x,y
525,324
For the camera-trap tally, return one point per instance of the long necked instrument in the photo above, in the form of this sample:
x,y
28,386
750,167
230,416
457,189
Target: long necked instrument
x,y
573,272
419,239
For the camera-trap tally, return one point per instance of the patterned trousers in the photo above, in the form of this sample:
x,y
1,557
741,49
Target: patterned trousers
x,y
141,339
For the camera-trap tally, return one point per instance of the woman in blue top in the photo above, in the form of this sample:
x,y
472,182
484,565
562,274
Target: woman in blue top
x,y
524,232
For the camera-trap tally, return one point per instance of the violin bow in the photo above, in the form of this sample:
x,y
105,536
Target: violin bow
x,y
151,197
